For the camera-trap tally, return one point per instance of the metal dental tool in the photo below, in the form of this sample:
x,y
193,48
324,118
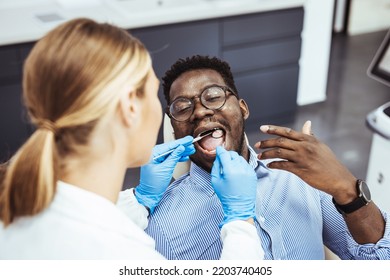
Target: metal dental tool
x,y
196,139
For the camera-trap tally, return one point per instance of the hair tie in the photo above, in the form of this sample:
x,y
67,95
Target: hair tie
x,y
48,125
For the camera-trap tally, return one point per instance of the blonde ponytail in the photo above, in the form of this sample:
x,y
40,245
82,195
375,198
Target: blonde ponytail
x,y
30,178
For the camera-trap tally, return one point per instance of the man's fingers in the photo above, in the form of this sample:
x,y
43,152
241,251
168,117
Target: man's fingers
x,y
306,129
278,153
280,142
282,164
281,131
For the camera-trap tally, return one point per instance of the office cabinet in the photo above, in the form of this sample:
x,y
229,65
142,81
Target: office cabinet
x,y
10,66
263,50
14,125
13,121
262,26
270,95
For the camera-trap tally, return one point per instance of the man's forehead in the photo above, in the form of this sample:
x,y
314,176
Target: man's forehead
x,y
195,80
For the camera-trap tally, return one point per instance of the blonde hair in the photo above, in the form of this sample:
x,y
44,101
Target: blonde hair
x,y
65,83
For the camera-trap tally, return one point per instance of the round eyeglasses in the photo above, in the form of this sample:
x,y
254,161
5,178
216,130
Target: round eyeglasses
x,y
213,97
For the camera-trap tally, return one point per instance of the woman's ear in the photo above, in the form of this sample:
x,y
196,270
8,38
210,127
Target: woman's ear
x,y
244,108
129,108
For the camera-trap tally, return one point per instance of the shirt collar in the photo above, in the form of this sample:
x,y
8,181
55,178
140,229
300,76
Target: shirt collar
x,y
259,166
253,161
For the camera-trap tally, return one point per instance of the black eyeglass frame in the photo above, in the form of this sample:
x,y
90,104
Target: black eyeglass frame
x,y
225,89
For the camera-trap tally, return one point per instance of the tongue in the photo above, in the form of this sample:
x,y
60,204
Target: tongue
x,y
210,144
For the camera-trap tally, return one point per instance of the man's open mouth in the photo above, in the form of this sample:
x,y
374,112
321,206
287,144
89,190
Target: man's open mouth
x,y
209,143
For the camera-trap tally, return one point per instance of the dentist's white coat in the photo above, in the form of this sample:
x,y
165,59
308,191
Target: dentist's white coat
x,y
82,225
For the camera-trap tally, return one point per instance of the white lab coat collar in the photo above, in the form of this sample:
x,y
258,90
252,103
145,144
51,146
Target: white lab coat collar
x,y
91,208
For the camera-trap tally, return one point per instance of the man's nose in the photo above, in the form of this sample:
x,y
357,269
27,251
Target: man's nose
x,y
200,111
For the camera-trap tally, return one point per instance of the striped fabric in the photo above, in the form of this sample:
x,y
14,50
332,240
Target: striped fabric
x,y
294,220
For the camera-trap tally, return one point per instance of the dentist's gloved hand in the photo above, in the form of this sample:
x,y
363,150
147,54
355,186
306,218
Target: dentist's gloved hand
x,y
157,174
234,182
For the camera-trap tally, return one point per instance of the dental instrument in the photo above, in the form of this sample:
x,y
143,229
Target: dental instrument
x,y
196,139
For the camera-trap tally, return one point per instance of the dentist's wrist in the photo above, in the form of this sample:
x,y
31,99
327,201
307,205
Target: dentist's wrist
x,y
251,221
140,202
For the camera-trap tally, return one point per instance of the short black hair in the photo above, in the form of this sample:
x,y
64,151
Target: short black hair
x,y
194,63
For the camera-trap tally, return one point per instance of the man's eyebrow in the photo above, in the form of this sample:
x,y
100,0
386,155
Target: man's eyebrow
x,y
183,95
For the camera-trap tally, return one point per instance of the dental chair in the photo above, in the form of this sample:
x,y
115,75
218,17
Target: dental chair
x,y
168,135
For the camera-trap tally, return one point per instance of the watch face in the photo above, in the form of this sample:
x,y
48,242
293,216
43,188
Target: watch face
x,y
365,191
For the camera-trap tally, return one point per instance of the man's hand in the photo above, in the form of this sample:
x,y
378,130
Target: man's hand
x,y
302,154
313,161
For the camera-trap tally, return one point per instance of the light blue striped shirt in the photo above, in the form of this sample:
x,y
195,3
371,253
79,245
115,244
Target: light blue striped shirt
x,y
294,220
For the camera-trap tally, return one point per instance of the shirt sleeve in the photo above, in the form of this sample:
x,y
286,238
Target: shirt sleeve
x,y
338,238
240,241
378,251
129,205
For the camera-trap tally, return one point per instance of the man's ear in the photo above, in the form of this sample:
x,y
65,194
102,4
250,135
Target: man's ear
x,y
244,108
129,108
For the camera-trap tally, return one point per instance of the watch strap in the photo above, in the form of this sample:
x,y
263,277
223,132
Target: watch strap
x,y
358,203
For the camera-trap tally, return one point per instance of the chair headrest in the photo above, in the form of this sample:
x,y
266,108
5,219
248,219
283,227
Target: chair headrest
x,y
168,134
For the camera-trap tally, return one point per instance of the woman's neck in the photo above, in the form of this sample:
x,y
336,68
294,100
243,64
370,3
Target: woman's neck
x,y
101,176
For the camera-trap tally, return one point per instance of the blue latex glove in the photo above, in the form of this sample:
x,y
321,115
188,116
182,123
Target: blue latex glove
x,y
234,182
157,174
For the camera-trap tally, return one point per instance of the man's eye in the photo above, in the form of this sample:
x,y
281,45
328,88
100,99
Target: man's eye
x,y
213,98
182,108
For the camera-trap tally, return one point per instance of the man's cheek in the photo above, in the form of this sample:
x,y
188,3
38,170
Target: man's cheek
x,y
179,133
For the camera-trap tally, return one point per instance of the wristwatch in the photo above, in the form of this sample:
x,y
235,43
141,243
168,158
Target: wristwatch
x,y
364,197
